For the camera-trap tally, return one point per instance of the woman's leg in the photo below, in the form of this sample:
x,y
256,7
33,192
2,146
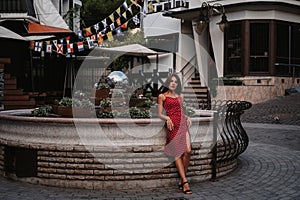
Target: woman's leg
x,y
187,153
180,168
181,171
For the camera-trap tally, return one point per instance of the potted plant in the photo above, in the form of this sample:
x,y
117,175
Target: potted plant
x,y
101,91
67,105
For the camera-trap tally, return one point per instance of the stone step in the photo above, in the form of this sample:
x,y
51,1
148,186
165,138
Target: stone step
x,y
15,107
16,98
21,103
5,60
10,87
11,81
13,92
7,76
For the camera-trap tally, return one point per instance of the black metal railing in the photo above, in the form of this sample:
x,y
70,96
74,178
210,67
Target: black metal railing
x,y
233,139
291,70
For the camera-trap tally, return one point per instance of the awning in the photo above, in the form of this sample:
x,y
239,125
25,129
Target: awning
x,y
34,29
40,37
132,49
8,34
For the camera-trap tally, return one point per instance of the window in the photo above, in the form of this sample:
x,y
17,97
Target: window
x,y
233,64
262,47
288,49
259,47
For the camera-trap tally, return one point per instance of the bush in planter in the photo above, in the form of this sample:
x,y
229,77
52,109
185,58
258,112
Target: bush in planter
x,y
133,113
66,106
146,104
102,86
105,103
43,111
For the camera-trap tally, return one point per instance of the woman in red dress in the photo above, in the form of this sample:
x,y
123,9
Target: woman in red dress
x,y
178,142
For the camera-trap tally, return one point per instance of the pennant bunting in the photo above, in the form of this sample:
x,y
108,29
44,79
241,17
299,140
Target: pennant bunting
x,y
112,26
118,31
104,31
68,40
124,26
93,37
110,36
118,21
79,35
90,43
124,15
70,48
118,11
60,48
130,10
100,38
55,43
80,46
104,23
49,48
96,27
111,17
125,5
38,46
136,20
134,2
88,31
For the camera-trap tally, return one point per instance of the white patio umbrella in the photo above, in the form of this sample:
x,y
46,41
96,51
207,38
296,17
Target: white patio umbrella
x,y
8,34
131,49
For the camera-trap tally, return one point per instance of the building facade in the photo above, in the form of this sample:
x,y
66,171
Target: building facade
x,y
257,55
57,13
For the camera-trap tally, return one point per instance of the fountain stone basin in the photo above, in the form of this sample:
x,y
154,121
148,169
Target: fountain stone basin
x,y
96,153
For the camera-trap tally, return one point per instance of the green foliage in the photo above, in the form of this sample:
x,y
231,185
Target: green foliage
x,y
66,101
130,37
105,114
100,86
80,103
147,104
133,113
105,103
43,111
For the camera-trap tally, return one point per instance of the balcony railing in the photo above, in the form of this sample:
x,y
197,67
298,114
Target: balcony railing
x,y
14,6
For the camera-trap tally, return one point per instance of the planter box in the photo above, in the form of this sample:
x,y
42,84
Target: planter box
x,y
101,94
68,112
135,102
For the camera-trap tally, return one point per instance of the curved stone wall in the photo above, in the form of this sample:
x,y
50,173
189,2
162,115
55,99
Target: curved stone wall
x,y
73,152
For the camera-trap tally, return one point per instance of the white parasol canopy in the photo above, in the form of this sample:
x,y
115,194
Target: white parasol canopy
x,y
132,49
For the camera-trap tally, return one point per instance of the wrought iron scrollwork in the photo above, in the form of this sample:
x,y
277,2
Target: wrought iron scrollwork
x,y
233,139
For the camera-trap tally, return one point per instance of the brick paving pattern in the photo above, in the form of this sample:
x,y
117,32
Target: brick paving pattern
x,y
268,169
286,109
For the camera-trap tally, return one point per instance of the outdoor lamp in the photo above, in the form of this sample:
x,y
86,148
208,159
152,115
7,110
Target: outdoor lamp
x,y
207,11
201,24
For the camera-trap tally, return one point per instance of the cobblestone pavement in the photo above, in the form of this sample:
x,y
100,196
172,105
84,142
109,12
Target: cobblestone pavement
x,y
285,108
268,169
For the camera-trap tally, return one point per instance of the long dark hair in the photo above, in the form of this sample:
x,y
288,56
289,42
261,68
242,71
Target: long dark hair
x,y
165,86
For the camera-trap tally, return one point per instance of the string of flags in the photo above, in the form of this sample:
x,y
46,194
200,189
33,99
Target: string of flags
x,y
95,35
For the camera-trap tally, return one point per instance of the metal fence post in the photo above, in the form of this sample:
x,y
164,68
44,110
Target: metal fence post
x,y
214,148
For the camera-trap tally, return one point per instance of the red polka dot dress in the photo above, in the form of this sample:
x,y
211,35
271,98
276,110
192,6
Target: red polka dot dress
x,y
176,143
